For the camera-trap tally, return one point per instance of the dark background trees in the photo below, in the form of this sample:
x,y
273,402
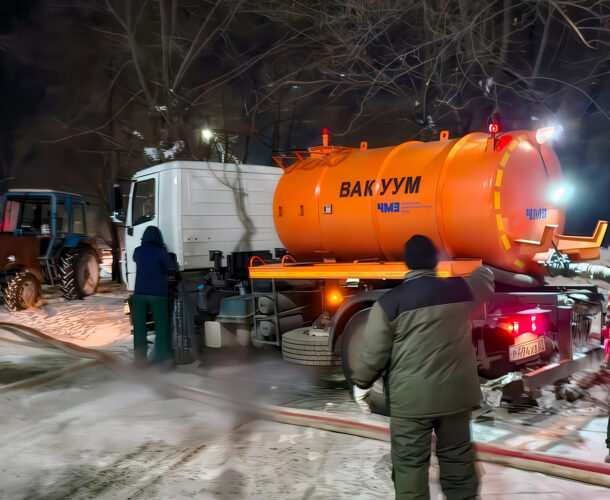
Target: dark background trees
x,y
93,90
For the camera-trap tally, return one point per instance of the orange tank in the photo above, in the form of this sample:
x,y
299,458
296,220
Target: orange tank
x,y
474,197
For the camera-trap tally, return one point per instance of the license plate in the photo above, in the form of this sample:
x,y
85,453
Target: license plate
x,y
525,350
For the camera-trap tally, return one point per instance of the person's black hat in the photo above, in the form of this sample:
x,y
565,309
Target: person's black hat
x,y
420,253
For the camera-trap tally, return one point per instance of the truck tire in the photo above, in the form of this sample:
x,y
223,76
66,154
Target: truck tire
x,y
303,349
79,273
350,342
22,292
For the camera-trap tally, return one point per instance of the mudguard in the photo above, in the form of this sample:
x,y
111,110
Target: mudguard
x,y
350,307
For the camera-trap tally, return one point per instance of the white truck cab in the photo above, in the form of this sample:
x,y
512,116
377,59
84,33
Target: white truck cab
x,y
200,207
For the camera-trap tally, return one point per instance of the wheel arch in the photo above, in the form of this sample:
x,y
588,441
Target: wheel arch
x,y
350,307
78,243
13,270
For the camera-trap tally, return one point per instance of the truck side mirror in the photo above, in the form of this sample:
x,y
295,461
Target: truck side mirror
x,y
117,197
117,212
118,216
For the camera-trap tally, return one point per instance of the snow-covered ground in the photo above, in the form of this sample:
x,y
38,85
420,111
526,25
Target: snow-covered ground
x,y
91,434
98,320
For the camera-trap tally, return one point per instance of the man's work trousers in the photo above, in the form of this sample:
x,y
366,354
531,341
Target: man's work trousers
x,y
411,442
140,305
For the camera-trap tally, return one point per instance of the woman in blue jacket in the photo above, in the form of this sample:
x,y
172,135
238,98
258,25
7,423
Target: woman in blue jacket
x,y
153,266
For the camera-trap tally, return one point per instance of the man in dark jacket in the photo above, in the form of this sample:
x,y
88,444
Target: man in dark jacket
x,y
420,332
153,265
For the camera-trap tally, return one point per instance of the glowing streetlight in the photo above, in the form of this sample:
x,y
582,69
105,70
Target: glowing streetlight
x,y
206,133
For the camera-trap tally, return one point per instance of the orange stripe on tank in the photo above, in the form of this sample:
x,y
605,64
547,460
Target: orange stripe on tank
x,y
499,222
499,178
505,241
504,159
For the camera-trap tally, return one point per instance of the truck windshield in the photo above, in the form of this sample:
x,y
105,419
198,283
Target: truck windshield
x,y
29,216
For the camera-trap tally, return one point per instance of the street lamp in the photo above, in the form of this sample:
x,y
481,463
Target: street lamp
x,y
206,133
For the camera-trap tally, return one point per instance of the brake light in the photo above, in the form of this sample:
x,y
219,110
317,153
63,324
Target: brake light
x,y
531,323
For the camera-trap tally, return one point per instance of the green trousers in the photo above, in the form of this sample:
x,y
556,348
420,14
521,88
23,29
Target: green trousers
x,y
140,305
411,443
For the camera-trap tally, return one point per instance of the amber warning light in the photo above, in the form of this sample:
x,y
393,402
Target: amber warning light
x,y
334,297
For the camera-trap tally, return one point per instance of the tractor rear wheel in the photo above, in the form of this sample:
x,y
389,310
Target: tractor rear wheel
x,y
22,292
79,273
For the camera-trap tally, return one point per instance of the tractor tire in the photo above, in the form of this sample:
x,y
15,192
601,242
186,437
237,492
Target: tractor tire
x,y
79,273
303,349
350,349
22,292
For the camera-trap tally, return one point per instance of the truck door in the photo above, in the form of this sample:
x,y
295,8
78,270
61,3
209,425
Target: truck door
x,y
142,212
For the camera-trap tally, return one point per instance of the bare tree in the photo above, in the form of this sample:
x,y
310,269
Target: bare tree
x,y
433,61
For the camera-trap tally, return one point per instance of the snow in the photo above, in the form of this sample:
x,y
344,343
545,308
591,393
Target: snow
x,y
91,434
98,320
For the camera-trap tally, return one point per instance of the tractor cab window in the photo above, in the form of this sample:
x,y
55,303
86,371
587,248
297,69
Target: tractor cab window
x,y
35,217
10,216
143,209
78,218
63,222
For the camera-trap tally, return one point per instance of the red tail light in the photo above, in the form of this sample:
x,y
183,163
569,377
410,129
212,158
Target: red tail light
x,y
524,323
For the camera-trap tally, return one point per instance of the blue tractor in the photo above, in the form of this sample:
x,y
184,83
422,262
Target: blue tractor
x,y
43,239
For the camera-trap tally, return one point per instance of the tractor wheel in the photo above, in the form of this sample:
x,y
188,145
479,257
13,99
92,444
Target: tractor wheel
x,y
79,273
350,349
22,292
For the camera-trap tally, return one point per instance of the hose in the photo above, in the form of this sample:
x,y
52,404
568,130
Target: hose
x,y
578,470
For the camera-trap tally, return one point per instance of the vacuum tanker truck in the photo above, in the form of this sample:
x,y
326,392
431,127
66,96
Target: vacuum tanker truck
x,y
336,227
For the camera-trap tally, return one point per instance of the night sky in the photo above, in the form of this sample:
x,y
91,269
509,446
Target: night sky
x,y
93,91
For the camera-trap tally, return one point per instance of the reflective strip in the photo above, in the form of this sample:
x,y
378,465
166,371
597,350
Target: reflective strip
x,y
512,145
520,264
505,241
499,221
497,200
499,178
504,159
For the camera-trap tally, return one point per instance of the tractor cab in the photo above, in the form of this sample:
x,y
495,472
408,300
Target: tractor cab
x,y
43,239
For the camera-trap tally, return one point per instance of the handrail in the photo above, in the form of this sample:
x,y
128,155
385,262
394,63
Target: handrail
x,y
290,256
256,257
296,155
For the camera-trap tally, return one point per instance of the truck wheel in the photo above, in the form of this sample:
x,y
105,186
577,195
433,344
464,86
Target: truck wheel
x,y
350,348
22,292
79,273
350,342
303,349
